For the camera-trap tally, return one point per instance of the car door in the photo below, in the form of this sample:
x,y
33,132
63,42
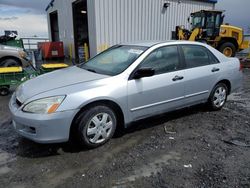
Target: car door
x,y
161,92
202,72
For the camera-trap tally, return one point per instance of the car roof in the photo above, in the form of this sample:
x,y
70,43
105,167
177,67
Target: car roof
x,y
153,43
143,43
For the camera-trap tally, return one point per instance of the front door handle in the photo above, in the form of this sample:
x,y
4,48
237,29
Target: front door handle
x,y
177,78
215,69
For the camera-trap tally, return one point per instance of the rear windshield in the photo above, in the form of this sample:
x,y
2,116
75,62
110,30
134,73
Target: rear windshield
x,y
114,60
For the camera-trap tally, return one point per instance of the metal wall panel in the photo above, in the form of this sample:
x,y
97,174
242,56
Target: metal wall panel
x,y
132,20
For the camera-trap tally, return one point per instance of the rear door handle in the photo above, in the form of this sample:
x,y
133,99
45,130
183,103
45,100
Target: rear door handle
x,y
215,69
177,78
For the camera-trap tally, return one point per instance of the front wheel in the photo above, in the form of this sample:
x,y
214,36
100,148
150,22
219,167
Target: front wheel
x,y
11,62
96,126
218,97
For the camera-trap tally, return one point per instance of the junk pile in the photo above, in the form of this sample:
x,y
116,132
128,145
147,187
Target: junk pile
x,y
10,40
244,58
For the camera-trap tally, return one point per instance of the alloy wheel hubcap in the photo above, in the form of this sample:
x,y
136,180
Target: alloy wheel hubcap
x,y
99,128
219,97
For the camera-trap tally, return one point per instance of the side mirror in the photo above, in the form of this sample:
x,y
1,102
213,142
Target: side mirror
x,y
143,72
188,19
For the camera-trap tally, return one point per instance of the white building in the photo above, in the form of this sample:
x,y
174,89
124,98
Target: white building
x,y
103,23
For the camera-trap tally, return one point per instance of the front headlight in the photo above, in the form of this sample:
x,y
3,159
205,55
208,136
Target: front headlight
x,y
44,106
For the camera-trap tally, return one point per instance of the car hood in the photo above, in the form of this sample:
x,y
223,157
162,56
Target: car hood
x,y
54,80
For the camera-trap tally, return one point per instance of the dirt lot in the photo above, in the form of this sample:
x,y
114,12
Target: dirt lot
x,y
182,149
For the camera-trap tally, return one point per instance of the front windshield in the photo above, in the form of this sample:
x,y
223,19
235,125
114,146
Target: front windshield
x,y
114,60
197,20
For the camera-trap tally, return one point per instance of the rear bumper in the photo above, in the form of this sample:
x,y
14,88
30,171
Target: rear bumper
x,y
237,82
42,128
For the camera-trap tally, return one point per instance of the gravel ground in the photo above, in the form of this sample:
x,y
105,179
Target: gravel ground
x,y
185,148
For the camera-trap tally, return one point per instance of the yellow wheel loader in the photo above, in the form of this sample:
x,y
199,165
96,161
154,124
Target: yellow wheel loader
x,y
207,26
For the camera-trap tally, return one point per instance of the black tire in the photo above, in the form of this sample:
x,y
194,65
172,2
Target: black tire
x,y
228,46
10,62
4,91
85,122
213,105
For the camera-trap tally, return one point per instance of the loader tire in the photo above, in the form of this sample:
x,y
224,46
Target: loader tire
x,y
228,49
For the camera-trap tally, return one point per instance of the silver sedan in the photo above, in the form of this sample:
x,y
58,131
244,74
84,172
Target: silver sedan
x,y
121,85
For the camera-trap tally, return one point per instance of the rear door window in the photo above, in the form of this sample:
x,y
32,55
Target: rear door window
x,y
197,56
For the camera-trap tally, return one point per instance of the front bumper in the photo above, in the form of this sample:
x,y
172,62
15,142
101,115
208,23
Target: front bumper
x,y
42,128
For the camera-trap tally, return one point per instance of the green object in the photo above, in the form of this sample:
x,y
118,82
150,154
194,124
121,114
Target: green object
x,y
16,78
16,43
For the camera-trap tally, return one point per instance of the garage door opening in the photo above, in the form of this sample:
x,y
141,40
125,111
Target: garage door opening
x,y
54,26
81,35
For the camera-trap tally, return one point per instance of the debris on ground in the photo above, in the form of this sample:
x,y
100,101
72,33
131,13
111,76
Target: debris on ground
x,y
168,131
237,142
188,166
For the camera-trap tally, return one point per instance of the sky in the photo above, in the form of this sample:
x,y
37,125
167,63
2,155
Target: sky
x,y
237,12
28,17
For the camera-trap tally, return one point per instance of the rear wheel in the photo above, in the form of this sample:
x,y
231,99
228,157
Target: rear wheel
x,y
218,97
10,62
96,126
228,49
